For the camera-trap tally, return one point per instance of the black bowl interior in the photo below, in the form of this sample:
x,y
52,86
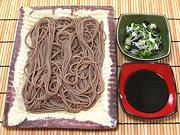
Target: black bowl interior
x,y
146,91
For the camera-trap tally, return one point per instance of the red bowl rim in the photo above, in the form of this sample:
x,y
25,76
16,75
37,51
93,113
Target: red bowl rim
x,y
137,113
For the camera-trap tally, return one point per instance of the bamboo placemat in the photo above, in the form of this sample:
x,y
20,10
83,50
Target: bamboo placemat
x,y
126,124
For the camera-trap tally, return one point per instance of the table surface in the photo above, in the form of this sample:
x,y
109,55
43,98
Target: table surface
x,y
126,124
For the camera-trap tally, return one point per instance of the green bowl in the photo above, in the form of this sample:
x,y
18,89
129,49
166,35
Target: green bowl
x,y
159,20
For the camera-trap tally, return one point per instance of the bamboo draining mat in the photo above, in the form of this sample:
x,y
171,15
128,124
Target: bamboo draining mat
x,y
127,125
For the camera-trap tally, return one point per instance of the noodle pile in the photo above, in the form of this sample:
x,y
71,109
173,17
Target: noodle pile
x,y
64,64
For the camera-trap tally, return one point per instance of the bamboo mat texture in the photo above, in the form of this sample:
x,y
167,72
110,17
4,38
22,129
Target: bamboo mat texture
x,y
127,125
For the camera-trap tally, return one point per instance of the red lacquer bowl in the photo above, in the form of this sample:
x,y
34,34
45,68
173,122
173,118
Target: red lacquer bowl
x,y
148,90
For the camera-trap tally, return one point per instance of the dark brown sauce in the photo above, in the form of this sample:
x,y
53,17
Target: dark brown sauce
x,y
146,91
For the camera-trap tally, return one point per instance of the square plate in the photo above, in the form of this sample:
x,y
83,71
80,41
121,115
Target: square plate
x,y
159,20
164,71
104,113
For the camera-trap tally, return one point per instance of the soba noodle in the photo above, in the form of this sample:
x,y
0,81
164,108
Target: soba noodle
x,y
64,65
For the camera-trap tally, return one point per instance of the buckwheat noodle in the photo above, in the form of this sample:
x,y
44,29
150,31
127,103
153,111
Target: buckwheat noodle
x,y
64,64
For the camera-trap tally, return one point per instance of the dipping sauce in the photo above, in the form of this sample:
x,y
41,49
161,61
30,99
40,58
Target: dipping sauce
x,y
146,91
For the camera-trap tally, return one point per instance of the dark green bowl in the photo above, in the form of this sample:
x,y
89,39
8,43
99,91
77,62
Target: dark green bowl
x,y
159,20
